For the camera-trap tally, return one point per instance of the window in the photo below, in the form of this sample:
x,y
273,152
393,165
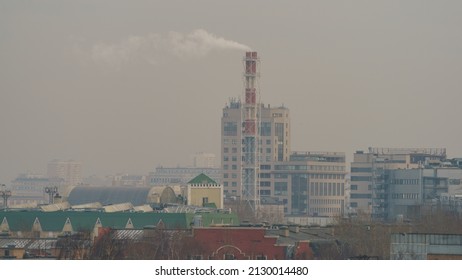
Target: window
x,y
354,187
234,167
280,188
225,175
234,150
360,178
229,257
265,129
230,129
233,184
361,195
265,184
265,192
361,169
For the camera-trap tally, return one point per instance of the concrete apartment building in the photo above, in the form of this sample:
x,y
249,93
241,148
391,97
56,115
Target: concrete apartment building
x,y
68,170
274,142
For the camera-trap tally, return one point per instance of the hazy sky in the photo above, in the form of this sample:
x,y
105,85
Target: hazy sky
x,y
125,86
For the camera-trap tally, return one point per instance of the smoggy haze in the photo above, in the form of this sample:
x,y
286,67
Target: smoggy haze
x,y
120,85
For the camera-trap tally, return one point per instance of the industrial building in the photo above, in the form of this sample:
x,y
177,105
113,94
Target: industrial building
x,y
396,184
425,246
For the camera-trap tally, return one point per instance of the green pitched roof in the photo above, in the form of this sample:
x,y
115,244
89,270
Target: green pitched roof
x,y
202,179
55,221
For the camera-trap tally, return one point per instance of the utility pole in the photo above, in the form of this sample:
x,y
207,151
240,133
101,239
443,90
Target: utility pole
x,y
51,191
5,194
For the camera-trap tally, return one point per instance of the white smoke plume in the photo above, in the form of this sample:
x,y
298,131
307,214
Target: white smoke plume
x,y
198,43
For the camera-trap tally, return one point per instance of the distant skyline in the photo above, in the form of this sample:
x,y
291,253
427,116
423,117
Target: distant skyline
x,y
119,85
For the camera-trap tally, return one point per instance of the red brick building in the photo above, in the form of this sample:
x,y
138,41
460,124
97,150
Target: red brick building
x,y
244,243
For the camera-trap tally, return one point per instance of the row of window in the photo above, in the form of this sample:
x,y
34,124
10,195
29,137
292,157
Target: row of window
x,y
311,176
361,178
233,175
405,181
233,150
361,169
355,187
325,201
234,141
360,196
310,167
226,184
233,167
316,188
327,189
230,128
405,196
226,158
324,210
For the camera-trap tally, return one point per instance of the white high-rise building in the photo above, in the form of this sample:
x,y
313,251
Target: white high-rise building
x,y
70,171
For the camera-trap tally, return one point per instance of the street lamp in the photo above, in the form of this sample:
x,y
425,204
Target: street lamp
x,y
51,191
5,194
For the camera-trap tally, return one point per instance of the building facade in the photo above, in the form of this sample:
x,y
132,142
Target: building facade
x,y
181,175
390,184
70,171
204,192
29,190
273,144
309,184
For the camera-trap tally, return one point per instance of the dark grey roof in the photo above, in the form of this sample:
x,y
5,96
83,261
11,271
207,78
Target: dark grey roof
x,y
109,195
313,235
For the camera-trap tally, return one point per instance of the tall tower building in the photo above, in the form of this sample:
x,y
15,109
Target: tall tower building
x,y
250,131
253,137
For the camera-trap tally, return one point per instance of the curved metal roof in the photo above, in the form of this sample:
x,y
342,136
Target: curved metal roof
x,y
113,195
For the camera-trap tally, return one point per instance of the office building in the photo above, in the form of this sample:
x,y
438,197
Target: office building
x,y
309,184
384,178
